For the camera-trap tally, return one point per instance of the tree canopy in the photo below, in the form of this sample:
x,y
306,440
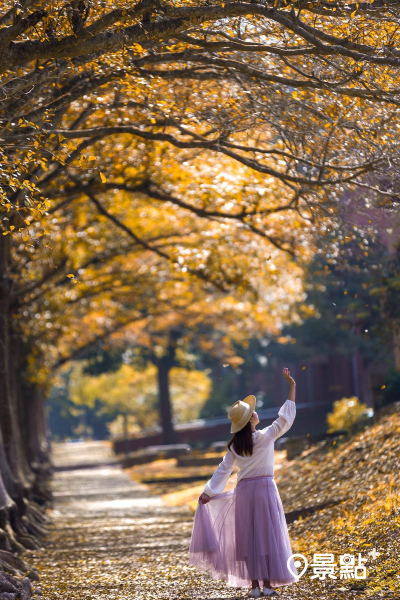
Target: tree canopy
x,y
304,93
167,171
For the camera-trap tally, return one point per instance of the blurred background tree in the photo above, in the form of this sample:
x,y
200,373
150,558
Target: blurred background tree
x,y
121,403
349,414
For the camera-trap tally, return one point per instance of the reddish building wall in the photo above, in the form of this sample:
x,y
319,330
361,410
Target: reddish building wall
x,y
309,419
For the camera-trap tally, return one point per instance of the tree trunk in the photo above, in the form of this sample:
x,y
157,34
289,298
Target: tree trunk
x,y
396,346
8,476
168,432
5,289
125,426
33,425
10,487
5,478
21,404
11,426
18,517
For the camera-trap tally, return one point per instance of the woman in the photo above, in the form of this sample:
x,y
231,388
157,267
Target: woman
x,y
241,535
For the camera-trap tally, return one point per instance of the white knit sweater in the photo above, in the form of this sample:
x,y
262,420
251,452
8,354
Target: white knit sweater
x,y
262,460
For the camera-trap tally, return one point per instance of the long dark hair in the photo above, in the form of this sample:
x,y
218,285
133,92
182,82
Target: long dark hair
x,y
242,441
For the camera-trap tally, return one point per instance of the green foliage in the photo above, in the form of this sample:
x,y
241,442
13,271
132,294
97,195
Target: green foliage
x,y
348,318
101,360
223,386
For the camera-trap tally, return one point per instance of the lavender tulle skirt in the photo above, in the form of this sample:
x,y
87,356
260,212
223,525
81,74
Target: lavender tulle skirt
x,y
242,535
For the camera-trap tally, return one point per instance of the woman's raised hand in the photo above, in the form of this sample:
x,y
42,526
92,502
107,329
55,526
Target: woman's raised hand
x,y
204,498
289,379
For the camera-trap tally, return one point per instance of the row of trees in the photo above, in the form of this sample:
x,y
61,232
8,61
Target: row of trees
x,y
166,172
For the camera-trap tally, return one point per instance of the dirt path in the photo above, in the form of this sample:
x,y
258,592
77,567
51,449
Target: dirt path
x,y
111,539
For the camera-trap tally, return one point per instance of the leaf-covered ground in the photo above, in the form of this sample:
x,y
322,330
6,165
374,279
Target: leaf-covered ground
x,y
362,476
358,477
112,538
181,486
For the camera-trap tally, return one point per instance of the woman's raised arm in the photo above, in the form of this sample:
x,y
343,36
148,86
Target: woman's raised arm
x,y
287,412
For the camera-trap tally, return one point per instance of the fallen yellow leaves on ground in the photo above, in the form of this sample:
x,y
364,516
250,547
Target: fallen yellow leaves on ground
x,y
166,478
116,538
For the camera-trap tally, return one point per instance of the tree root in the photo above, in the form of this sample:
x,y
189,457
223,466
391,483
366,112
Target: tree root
x,y
28,542
33,575
26,592
15,545
23,525
37,513
14,561
22,534
34,529
11,588
4,541
41,493
6,585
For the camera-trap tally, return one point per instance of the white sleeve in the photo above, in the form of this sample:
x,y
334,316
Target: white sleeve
x,y
217,483
283,423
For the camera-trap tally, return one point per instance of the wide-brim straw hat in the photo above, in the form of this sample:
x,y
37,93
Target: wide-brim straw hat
x,y
240,413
